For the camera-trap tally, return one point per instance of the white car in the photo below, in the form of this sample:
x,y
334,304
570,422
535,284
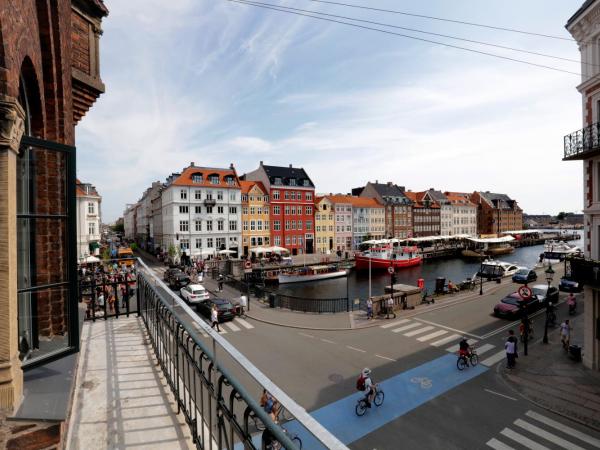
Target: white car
x,y
194,293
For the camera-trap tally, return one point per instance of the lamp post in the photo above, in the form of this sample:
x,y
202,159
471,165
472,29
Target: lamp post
x,y
549,276
481,279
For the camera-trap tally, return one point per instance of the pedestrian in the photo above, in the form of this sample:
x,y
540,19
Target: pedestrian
x,y
214,318
220,281
243,304
390,307
369,308
511,350
565,334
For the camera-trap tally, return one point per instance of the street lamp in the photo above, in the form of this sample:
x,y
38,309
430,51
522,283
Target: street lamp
x,y
549,277
481,279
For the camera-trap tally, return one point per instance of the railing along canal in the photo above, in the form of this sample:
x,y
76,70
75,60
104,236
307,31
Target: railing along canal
x,y
313,305
219,410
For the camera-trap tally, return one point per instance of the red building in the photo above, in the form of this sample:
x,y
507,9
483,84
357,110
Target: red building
x,y
292,214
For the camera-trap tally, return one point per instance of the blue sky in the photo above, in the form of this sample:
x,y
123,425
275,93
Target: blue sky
x,y
216,82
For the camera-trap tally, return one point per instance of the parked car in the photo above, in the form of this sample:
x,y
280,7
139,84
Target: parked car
x,y
170,272
543,294
524,275
178,280
194,293
225,309
567,285
511,305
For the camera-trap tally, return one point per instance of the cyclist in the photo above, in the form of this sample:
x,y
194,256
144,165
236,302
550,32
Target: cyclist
x,y
369,386
464,350
270,405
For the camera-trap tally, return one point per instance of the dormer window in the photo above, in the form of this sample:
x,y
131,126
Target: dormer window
x,y
277,181
305,183
230,181
214,179
197,178
292,182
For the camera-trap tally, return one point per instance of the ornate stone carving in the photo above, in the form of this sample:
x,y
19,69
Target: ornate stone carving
x,y
12,123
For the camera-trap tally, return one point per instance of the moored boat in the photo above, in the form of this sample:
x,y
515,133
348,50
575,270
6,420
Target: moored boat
x,y
388,256
491,269
311,273
556,251
481,248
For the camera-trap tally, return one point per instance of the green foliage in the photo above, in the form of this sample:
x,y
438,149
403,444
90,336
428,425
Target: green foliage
x,y
561,215
173,250
133,246
118,228
105,253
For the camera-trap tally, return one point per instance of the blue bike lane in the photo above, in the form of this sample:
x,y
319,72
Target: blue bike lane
x,y
403,393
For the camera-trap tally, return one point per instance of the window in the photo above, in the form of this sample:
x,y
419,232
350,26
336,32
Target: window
x,y
232,196
244,198
277,181
293,195
183,194
209,242
220,243
293,224
183,209
91,208
292,182
293,240
220,225
220,210
300,240
305,183
318,228
184,225
245,225
293,210
276,210
198,225
233,210
184,244
276,225
308,225
209,210
266,210
266,199
252,225
91,228
275,195
259,210
233,225
253,241
198,209
287,240
219,195
299,224
277,240
209,195
245,211
308,210
214,179
197,178
252,210
287,195
209,227
230,181
266,224
198,243
198,195
287,225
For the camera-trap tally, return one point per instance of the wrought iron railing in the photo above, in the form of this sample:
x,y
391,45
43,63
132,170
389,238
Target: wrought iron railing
x,y
582,141
583,270
313,305
220,412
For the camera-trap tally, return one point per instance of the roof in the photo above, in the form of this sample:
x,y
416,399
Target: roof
x,y
248,185
185,179
500,201
357,202
387,190
417,198
579,12
438,196
288,173
459,198
85,189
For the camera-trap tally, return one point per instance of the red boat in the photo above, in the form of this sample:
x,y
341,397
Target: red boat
x,y
384,257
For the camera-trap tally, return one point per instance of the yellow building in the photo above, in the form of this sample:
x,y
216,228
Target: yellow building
x,y
255,216
324,226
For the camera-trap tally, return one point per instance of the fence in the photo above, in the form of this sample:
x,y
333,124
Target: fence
x,y
313,305
220,412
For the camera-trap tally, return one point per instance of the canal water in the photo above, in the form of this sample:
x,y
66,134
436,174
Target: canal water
x,y
356,285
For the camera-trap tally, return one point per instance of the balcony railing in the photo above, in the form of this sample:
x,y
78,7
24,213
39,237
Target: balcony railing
x,y
582,143
210,202
583,270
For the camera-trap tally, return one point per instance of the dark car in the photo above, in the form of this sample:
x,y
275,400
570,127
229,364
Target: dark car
x,y
178,280
510,306
543,294
170,272
225,310
524,275
567,285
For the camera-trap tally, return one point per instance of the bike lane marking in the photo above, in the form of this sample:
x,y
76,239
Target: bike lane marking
x,y
402,395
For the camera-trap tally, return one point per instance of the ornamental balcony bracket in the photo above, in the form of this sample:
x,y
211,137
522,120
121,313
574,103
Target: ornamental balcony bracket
x,y
582,144
583,270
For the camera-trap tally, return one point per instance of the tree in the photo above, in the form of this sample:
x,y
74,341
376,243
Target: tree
x,y
118,227
561,215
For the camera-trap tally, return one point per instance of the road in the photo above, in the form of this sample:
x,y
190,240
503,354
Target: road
x,y
429,403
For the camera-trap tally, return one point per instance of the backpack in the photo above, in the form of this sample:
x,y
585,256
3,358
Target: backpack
x,y
269,405
360,383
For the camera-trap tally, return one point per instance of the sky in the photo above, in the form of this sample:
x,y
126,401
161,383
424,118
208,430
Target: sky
x,y
218,82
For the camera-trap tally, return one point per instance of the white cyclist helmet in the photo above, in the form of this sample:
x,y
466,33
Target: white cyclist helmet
x,y
366,372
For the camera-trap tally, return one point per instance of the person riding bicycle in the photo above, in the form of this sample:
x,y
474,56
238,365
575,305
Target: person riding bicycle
x,y
571,302
464,350
269,404
369,387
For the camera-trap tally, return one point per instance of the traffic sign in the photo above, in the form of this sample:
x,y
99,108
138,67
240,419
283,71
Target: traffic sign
x,y
391,270
525,292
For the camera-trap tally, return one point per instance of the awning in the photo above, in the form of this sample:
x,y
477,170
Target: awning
x,y
492,240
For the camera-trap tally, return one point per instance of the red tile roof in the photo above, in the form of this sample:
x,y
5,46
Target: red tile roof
x,y
247,185
358,202
459,198
185,179
417,198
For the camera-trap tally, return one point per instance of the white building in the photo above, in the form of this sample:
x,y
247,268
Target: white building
x,y
129,220
202,211
446,210
88,219
584,145
368,219
464,214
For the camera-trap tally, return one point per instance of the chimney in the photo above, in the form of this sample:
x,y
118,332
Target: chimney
x,y
231,166
389,183
402,188
261,163
290,166
192,164
376,181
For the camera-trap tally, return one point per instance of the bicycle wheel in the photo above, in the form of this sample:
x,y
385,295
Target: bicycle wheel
x,y
361,408
296,440
461,363
474,359
378,400
286,415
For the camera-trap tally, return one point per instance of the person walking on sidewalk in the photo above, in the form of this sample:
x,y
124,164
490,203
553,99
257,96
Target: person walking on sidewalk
x,y
390,308
214,318
369,309
243,304
565,334
220,281
511,350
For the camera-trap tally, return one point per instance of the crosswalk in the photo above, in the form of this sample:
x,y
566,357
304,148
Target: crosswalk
x,y
436,336
539,432
233,326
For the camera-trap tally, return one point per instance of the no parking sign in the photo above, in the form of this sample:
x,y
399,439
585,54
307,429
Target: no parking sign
x,y
525,292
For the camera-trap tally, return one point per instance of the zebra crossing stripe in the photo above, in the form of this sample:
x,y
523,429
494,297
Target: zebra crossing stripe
x,y
497,445
455,347
430,336
524,441
445,340
393,324
564,428
419,331
484,348
245,324
232,326
406,327
494,358
546,435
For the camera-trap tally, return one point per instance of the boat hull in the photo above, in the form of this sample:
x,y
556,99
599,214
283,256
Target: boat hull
x,y
362,263
283,278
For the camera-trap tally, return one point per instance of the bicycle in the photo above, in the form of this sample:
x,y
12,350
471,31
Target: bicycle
x,y
462,362
276,445
282,415
361,405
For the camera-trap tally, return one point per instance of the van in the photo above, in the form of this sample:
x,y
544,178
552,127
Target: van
x,y
125,256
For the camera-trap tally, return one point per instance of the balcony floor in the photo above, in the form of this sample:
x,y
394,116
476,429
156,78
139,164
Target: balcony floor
x,y
121,400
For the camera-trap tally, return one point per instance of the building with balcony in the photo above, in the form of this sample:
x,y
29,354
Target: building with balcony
x,y
88,220
496,213
202,211
584,145
292,197
368,219
342,226
464,213
398,207
325,225
256,229
426,214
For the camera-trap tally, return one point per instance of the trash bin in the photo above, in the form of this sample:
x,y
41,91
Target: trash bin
x,y
575,352
440,285
271,300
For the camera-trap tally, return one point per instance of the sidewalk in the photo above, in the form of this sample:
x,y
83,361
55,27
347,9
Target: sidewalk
x,y
551,380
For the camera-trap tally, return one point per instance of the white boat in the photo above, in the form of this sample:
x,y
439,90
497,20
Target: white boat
x,y
311,273
491,269
480,248
556,251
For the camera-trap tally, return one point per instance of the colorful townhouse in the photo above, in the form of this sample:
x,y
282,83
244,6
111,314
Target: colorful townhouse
x,y
496,213
256,229
325,226
464,213
426,214
292,213
368,219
